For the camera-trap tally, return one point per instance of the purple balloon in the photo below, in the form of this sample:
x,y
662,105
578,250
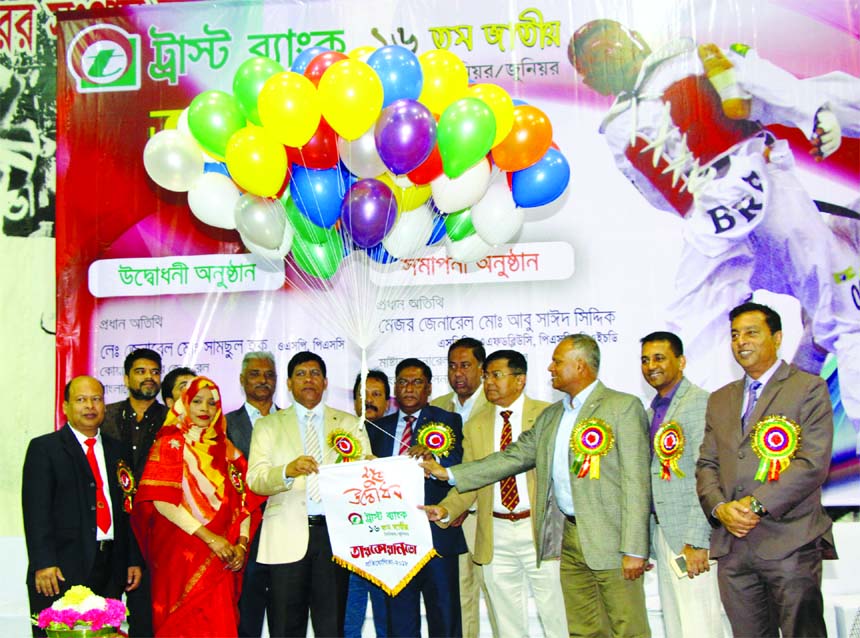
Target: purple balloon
x,y
368,212
405,134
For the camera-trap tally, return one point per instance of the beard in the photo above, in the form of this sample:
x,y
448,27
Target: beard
x,y
144,395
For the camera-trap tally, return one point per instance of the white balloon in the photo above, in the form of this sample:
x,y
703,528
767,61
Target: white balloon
x,y
451,195
469,249
410,234
274,256
213,199
360,156
496,217
261,220
172,160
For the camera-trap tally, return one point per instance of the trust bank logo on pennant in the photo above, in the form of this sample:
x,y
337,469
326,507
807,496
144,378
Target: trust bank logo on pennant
x,y
104,58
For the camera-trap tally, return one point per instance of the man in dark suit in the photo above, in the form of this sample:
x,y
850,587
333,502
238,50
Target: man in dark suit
x,y
595,516
67,542
259,379
770,529
135,421
174,383
438,581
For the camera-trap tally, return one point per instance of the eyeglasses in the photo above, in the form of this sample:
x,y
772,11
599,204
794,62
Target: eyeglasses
x,y
498,374
415,383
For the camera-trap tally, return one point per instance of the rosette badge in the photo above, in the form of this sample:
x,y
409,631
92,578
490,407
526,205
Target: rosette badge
x,y
437,437
590,440
126,481
669,444
775,441
345,444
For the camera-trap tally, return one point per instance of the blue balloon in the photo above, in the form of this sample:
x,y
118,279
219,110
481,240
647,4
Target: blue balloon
x,y
518,102
318,193
380,255
541,182
216,167
399,71
439,230
304,58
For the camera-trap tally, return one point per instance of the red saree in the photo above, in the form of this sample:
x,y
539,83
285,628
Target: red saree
x,y
193,591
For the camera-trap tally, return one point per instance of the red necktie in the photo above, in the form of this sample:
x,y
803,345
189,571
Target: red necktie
x,y
102,510
406,439
508,485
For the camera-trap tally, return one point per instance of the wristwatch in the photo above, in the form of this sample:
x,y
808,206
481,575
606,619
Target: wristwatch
x,y
757,508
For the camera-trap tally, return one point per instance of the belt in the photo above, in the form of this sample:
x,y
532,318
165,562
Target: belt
x,y
316,520
513,516
570,519
105,546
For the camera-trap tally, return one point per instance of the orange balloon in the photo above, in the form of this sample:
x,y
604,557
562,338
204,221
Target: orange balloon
x,y
528,141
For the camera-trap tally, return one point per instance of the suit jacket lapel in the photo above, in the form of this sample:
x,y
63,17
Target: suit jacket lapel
x,y
292,432
677,400
769,393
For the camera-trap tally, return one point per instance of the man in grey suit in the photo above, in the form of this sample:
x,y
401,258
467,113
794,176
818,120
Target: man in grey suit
x,y
689,594
590,452
259,379
770,529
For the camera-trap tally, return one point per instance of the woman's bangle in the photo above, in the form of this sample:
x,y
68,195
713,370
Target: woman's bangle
x,y
243,546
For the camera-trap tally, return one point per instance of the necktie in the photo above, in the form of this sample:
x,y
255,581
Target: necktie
x,y
508,485
312,448
406,439
751,399
102,510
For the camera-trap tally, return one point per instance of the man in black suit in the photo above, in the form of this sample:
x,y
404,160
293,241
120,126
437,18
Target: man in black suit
x,y
259,380
67,542
438,581
135,421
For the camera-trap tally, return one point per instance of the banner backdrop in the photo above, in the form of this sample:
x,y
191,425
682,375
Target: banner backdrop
x,y
374,523
672,216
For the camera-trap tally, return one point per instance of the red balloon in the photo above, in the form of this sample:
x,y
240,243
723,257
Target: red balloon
x,y
316,67
320,151
528,141
429,169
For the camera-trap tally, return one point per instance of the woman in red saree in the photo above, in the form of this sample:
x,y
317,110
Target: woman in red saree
x,y
192,518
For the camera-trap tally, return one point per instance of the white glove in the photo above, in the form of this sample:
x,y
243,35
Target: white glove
x,y
827,135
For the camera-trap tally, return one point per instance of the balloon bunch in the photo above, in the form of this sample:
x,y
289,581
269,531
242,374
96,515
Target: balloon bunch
x,y
343,153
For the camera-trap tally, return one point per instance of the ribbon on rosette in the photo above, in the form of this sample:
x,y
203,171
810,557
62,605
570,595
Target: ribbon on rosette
x,y
437,437
590,440
775,441
345,444
669,441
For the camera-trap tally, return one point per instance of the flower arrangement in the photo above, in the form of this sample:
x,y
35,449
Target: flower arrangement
x,y
81,609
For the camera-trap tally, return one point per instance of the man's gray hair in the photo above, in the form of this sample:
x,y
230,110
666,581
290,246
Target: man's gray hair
x,y
253,356
586,347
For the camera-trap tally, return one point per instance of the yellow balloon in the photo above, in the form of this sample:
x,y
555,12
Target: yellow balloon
x,y
256,162
445,79
361,53
351,96
289,108
500,104
408,197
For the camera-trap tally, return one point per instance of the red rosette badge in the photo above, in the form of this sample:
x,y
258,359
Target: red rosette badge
x,y
669,444
127,483
437,437
775,441
345,444
590,440
236,478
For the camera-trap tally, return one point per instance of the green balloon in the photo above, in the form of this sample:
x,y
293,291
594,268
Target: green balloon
x,y
249,79
302,225
459,225
465,134
318,260
213,117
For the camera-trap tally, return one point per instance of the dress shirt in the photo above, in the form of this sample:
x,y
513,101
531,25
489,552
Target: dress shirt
x,y
660,405
99,451
561,454
465,410
516,421
763,379
254,413
401,425
315,508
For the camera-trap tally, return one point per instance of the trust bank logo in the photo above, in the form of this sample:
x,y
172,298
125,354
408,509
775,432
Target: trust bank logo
x,y
104,58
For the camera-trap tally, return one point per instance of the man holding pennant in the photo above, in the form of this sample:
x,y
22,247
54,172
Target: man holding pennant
x,y
765,454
